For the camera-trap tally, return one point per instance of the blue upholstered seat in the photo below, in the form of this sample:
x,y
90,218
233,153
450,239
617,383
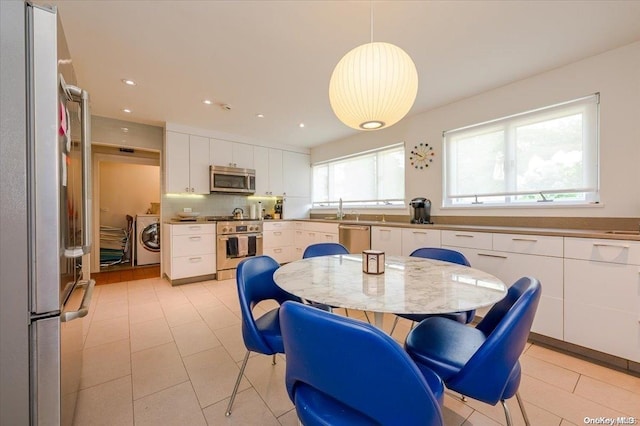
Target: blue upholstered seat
x,y
341,371
480,362
254,278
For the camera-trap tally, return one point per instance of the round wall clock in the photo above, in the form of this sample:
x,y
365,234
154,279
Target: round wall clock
x,y
421,156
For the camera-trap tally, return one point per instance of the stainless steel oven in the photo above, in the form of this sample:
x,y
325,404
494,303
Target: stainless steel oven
x,y
236,240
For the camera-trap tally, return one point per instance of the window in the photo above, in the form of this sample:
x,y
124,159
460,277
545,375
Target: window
x,y
541,157
369,179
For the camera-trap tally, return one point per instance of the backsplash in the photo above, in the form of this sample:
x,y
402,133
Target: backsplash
x,y
214,204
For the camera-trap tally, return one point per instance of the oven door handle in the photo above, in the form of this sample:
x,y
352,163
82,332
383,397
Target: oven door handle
x,y
227,238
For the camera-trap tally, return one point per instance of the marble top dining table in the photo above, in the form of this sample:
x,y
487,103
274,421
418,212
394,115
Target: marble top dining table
x,y
409,285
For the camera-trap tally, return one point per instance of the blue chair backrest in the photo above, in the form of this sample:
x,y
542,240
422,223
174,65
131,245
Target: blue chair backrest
x,y
507,326
254,278
324,249
356,364
438,253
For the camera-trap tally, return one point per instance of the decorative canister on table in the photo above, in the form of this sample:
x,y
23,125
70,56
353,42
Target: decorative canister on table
x,y
373,262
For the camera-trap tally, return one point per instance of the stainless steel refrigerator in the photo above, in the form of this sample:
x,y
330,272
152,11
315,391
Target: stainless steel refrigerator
x,y
45,223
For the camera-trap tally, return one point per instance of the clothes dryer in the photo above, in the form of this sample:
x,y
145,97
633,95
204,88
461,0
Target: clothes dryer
x,y
147,239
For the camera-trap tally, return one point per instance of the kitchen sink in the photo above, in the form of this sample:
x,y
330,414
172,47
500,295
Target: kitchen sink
x,y
623,232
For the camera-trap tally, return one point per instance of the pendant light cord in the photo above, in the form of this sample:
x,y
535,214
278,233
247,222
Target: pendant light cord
x,y
371,13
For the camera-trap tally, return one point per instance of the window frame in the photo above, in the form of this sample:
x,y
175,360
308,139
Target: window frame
x,y
375,204
588,194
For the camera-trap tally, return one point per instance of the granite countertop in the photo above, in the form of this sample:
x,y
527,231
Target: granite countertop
x,y
580,233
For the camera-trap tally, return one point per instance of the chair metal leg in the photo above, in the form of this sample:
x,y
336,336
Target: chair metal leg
x,y
273,361
235,388
393,327
346,312
506,412
524,412
367,317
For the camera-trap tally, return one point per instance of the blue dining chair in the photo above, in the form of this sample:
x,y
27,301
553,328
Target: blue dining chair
x,y
341,371
447,255
254,277
480,362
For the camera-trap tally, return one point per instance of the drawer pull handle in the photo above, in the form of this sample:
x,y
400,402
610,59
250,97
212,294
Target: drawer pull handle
x,y
464,235
195,238
624,246
419,233
278,250
277,233
531,240
384,230
195,259
492,255
194,227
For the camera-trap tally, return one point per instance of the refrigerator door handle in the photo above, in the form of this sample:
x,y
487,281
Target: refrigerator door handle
x,y
82,97
84,306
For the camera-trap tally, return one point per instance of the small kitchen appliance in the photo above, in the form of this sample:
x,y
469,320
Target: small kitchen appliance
x,y
277,210
421,210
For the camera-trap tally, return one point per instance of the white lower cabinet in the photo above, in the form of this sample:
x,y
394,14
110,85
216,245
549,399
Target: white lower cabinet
x,y
511,257
307,233
413,239
191,250
602,295
387,239
278,241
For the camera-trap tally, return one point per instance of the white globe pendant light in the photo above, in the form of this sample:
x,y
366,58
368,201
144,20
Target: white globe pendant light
x,y
373,86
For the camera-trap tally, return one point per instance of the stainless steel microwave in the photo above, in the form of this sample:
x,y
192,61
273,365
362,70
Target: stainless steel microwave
x,y
232,180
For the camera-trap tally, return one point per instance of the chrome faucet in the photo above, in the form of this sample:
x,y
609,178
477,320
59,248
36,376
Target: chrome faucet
x,y
340,214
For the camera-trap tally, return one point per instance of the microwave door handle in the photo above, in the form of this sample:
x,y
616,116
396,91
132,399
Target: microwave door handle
x,y
82,97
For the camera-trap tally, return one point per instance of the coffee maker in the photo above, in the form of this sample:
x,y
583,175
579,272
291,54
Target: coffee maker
x,y
421,210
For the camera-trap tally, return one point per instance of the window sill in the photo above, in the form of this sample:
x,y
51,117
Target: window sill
x,y
550,205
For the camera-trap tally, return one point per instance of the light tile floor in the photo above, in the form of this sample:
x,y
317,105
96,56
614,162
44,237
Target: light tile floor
x,y
161,355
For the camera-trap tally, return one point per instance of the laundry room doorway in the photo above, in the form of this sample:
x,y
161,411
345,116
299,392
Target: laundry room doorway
x,y
126,192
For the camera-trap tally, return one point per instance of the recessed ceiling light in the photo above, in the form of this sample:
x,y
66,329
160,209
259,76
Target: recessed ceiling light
x,y
301,124
127,110
128,82
207,102
260,115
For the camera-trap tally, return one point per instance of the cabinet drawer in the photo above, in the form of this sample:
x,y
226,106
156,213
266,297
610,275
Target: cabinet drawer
x,y
278,238
477,240
613,251
277,226
188,245
280,254
193,266
413,239
193,228
529,244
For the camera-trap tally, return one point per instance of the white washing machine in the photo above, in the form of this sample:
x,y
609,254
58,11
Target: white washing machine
x,y
147,239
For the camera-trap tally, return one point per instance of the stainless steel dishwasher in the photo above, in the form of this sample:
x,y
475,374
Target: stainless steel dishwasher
x,y
355,237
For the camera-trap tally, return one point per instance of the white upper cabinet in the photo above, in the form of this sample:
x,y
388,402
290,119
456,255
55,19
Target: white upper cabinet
x,y
231,154
187,164
296,174
268,165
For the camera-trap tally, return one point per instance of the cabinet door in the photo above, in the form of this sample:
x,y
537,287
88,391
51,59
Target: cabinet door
x,y
276,186
176,163
221,152
261,166
242,155
413,239
296,174
602,307
199,164
387,239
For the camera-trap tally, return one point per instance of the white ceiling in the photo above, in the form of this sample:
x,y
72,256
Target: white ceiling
x,y
276,57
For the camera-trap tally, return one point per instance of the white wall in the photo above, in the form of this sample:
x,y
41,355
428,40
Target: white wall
x,y
615,74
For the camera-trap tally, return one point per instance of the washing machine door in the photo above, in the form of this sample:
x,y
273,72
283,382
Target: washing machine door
x,y
150,237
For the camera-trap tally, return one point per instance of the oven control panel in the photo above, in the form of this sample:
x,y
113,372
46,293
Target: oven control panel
x,y
239,227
